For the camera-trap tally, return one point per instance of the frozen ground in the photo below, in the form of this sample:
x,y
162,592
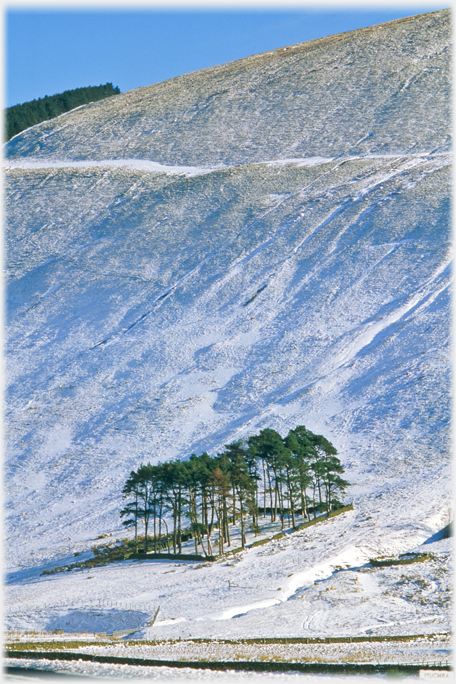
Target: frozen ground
x,y
264,244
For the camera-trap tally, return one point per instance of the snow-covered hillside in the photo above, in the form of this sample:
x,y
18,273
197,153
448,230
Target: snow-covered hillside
x,y
261,244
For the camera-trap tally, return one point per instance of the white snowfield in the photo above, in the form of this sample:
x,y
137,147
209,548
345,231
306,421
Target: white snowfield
x,y
262,244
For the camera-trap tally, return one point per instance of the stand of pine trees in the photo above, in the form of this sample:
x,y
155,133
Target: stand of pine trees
x,y
22,116
265,475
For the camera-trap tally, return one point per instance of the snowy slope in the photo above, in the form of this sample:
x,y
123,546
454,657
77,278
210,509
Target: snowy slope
x,y
262,244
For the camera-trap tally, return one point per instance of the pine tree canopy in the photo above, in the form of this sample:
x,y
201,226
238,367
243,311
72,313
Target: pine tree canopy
x,y
296,475
22,116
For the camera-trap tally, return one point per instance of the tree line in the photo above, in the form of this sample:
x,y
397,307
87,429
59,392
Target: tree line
x,y
264,474
22,116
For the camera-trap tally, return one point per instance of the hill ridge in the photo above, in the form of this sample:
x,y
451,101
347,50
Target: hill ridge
x,y
278,104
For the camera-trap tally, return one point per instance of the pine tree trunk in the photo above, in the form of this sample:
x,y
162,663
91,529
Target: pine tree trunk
x,y
179,522
136,523
155,528
282,513
242,522
200,539
276,487
204,510
306,509
264,490
226,524
220,522
270,496
292,506
195,520
195,534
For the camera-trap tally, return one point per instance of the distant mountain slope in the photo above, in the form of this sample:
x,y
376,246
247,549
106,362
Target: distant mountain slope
x,y
290,264
376,90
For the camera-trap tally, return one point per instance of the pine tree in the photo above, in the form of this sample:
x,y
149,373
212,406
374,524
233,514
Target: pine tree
x,y
22,116
209,491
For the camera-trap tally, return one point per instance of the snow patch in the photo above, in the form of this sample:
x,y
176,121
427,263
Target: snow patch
x,y
134,164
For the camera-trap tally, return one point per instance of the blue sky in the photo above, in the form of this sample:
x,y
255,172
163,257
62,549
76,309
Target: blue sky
x,y
49,50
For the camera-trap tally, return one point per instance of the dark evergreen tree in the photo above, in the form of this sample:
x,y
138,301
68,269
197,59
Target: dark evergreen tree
x,y
131,489
22,116
212,492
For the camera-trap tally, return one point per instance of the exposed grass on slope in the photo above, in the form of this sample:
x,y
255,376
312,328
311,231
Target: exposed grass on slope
x,y
404,559
53,644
